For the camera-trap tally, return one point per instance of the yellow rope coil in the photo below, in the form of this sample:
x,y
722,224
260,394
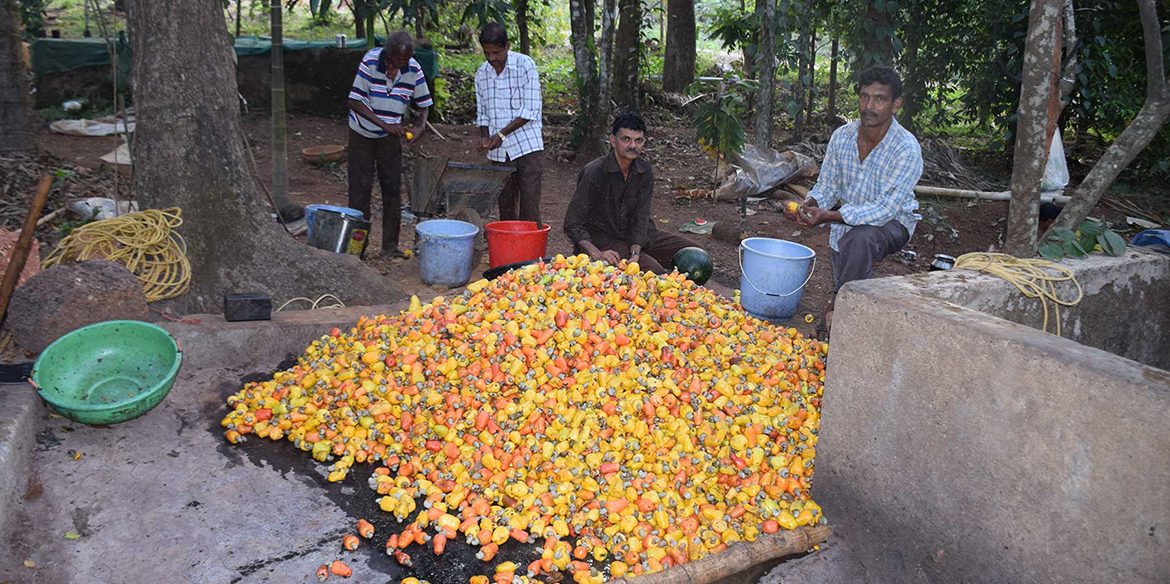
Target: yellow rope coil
x,y
315,304
1034,278
145,242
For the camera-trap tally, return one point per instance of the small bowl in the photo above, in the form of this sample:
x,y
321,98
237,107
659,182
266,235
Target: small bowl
x,y
319,155
108,372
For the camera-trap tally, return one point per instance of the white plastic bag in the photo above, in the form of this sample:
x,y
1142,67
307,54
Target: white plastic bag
x,y
1056,170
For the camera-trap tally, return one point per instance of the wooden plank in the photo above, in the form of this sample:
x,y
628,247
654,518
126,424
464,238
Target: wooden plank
x,y
737,557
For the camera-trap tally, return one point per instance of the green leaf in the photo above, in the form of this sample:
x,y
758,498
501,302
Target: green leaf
x,y
1087,242
72,535
1051,251
1074,249
1111,242
1064,234
1091,227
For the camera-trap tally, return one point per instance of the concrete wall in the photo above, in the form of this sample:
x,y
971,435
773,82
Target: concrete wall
x,y
963,447
1125,309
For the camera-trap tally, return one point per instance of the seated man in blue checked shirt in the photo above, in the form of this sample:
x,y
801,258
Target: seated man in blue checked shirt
x,y
388,79
871,166
508,111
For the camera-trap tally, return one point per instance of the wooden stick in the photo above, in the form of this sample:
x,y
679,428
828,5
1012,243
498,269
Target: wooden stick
x,y
51,216
23,245
737,558
435,130
1046,197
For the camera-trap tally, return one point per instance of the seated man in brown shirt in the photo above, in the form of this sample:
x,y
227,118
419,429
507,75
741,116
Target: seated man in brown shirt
x,y
609,215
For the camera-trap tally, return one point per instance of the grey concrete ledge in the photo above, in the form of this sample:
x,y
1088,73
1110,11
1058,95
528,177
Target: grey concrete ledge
x,y
20,406
216,343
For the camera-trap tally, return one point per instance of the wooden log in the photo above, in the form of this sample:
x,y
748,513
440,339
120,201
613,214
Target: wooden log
x,y
737,557
798,190
23,244
1045,197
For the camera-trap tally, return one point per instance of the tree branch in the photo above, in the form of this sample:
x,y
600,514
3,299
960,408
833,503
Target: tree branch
x,y
1156,83
1136,136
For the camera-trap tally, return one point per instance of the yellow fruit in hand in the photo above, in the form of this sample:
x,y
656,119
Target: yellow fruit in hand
x,y
791,204
409,136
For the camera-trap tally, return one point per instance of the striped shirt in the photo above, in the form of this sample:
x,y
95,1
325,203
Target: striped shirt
x,y
872,192
513,93
387,97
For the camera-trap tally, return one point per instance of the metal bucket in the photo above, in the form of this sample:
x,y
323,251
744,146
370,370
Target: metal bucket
x,y
339,233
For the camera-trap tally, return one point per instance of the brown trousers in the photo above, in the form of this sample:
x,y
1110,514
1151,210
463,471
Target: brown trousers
x,y
657,256
520,198
862,247
384,156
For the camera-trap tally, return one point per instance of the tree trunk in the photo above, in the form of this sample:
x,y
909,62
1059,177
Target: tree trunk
x,y
1136,136
803,70
585,59
1030,156
605,66
239,3
812,70
359,19
590,7
766,62
627,54
16,129
833,57
279,119
522,25
189,153
678,67
419,24
876,49
913,87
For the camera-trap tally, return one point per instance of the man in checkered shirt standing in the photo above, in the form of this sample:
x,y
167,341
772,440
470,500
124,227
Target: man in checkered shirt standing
x,y
388,79
870,169
508,107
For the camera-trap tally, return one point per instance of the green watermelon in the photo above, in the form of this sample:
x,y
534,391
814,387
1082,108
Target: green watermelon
x,y
695,262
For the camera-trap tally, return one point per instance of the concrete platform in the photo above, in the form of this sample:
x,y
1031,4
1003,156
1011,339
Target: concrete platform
x,y
164,496
960,444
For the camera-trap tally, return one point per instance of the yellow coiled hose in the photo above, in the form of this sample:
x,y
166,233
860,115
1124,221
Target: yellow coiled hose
x,y
1035,278
145,242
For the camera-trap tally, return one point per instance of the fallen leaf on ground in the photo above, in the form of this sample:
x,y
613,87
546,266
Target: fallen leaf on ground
x,y
30,564
72,535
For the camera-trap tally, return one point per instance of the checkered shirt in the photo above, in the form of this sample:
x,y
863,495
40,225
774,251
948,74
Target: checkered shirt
x,y
499,99
871,192
370,87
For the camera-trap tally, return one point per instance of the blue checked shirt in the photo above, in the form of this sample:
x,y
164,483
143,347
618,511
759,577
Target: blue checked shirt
x,y
387,93
873,192
499,99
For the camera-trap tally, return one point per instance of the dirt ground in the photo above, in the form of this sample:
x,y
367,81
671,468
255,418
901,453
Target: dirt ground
x,y
949,226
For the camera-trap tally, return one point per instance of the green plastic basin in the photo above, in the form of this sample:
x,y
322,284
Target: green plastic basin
x,y
108,372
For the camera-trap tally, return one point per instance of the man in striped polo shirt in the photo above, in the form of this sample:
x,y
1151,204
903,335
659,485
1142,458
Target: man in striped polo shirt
x,y
508,112
388,78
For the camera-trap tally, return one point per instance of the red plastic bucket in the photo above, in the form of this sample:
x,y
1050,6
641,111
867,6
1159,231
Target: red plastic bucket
x,y
515,241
